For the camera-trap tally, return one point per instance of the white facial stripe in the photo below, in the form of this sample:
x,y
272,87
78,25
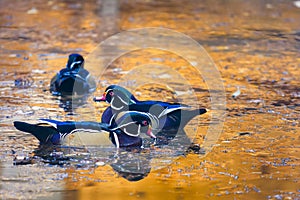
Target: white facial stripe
x,y
153,118
123,101
73,63
116,107
108,90
111,119
116,140
130,134
139,130
112,105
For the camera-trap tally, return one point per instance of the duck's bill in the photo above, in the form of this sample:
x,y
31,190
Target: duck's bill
x,y
150,134
102,98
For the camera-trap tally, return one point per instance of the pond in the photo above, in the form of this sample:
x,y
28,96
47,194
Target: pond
x,y
252,91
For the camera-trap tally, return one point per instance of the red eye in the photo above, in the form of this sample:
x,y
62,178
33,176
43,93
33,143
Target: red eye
x,y
145,123
111,93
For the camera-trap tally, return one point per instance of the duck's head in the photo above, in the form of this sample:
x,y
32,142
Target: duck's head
x,y
117,96
75,62
135,123
130,125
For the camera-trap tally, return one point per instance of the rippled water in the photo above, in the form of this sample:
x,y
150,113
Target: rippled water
x,y
255,45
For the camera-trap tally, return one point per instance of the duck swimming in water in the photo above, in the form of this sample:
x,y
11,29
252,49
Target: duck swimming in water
x,y
126,133
165,117
74,79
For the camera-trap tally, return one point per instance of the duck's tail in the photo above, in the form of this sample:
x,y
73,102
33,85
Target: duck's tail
x,y
188,115
43,132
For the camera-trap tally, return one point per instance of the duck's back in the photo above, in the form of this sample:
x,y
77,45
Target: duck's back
x,y
68,82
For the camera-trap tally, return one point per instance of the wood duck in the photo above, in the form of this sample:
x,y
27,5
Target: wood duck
x,y
165,117
74,79
130,125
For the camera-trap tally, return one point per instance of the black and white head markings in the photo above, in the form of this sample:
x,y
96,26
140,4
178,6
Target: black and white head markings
x,y
75,62
118,97
134,123
130,125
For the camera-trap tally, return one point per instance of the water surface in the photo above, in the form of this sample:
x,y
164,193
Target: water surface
x,y
255,46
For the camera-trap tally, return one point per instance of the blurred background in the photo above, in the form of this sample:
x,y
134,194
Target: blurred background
x,y
254,44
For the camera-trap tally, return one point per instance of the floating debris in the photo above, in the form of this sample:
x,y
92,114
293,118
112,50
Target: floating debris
x,y
244,133
236,93
256,189
23,160
230,175
297,4
179,93
265,169
257,101
196,149
14,55
278,196
100,163
32,11
38,71
24,82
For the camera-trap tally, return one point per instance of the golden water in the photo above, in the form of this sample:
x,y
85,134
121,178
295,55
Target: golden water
x,y
254,44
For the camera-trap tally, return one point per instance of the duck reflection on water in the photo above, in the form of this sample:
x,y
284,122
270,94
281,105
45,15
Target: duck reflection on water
x,y
70,102
132,163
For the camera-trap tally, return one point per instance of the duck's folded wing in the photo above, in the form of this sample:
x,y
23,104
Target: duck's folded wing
x,y
172,108
71,126
158,108
83,133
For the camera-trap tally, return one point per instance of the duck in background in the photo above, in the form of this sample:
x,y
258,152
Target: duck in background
x,y
74,79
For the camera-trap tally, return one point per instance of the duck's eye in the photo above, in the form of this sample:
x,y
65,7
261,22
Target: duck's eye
x,y
145,123
111,93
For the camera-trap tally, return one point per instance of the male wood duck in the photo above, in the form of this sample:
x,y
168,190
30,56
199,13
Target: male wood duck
x,y
126,134
74,79
165,117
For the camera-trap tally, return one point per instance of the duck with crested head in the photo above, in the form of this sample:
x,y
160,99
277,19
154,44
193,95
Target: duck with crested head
x,y
165,117
125,133
74,79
